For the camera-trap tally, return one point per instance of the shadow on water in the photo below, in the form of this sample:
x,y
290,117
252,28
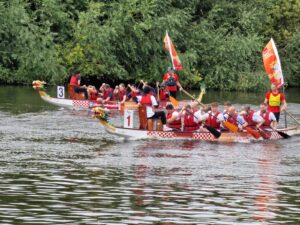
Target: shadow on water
x,y
58,167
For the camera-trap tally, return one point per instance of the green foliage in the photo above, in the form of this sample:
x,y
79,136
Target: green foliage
x,y
218,41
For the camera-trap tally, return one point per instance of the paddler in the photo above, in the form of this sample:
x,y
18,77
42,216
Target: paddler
x,y
171,82
214,118
107,93
134,92
149,101
268,117
173,117
163,92
275,101
122,94
75,82
232,117
253,119
191,118
152,90
93,93
227,104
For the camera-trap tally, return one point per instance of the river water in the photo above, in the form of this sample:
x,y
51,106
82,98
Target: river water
x,y
60,167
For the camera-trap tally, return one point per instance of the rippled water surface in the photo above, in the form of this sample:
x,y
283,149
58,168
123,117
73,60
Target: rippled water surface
x,y
60,167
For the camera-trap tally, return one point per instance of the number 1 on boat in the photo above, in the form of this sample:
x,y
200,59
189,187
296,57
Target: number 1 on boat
x,y
128,118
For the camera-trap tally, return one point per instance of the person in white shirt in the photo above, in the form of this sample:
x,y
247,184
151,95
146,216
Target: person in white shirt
x,y
269,117
253,119
235,119
213,118
174,117
149,102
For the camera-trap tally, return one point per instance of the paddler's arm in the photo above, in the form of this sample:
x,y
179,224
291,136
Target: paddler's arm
x,y
283,106
242,122
179,85
173,118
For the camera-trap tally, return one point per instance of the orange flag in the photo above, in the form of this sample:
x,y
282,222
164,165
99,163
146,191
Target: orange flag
x,y
174,57
272,63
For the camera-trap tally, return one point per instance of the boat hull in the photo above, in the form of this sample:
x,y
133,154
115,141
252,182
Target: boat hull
x,y
76,104
88,104
230,137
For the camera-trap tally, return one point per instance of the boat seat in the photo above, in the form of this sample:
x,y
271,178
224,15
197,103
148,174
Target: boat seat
x,y
73,95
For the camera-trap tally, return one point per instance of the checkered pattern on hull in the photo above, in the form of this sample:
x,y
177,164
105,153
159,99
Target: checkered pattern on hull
x,y
197,136
80,104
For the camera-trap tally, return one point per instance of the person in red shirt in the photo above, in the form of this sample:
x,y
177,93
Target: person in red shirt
x,y
75,82
121,93
107,93
171,82
276,101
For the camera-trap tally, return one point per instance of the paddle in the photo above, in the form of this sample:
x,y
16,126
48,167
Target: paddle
x,y
174,102
212,130
234,128
282,134
264,134
192,97
293,117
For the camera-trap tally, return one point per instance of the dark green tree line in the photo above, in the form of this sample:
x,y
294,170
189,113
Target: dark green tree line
x,y
217,40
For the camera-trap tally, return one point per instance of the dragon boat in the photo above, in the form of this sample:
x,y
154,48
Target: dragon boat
x,y
155,132
77,102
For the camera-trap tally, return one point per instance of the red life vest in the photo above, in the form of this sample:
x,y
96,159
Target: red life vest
x,y
232,119
176,123
94,96
249,118
134,94
122,94
146,100
213,121
107,92
162,95
74,79
266,118
189,123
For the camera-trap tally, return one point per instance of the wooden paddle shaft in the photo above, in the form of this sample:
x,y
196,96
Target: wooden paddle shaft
x,y
192,97
291,115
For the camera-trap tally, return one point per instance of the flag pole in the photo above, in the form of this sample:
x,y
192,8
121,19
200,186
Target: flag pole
x,y
285,119
170,49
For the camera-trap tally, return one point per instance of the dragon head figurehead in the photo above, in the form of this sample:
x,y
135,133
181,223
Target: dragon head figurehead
x,y
38,85
101,113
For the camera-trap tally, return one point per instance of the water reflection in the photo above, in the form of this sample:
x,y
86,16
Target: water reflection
x,y
61,168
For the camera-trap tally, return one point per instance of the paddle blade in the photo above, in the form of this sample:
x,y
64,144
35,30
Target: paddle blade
x,y
230,126
253,132
284,135
213,131
174,102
